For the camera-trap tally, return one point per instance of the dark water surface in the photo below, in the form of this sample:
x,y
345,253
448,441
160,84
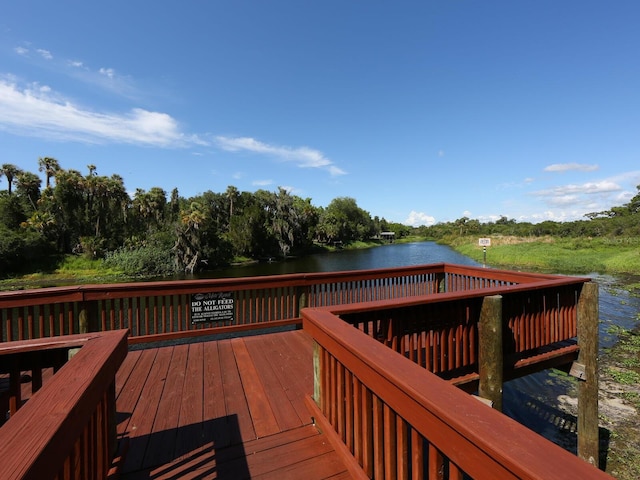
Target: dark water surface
x,y
386,256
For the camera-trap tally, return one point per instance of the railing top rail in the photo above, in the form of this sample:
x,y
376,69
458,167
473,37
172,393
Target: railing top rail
x,y
347,308
77,293
482,441
498,274
36,439
19,298
39,344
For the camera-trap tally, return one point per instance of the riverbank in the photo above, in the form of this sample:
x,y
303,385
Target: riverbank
x,y
77,270
619,405
552,254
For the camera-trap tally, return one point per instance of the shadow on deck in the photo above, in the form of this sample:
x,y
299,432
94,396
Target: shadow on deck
x,y
229,409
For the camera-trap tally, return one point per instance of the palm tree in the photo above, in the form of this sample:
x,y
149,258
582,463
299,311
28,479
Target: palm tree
x,y
50,167
232,194
29,186
11,172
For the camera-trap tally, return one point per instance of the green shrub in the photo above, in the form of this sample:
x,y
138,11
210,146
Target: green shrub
x,y
154,260
23,251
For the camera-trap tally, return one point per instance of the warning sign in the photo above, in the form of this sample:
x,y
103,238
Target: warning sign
x,y
212,307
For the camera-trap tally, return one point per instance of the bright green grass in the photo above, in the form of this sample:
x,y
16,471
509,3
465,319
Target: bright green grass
x,y
567,255
72,270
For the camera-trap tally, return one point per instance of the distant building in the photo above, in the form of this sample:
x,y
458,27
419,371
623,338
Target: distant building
x,y
388,236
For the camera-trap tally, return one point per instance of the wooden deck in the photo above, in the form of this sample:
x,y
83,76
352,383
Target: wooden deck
x,y
229,409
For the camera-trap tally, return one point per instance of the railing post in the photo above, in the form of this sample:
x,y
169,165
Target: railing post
x,y
317,374
588,432
490,355
303,299
15,388
88,317
112,423
441,283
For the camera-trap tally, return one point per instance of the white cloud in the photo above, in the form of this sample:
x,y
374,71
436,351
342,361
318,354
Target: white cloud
x,y
46,54
108,72
303,157
566,167
573,201
36,111
106,78
416,219
262,183
603,186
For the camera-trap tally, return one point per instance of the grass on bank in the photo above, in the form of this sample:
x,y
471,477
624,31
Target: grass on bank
x,y
621,365
71,270
566,255
75,269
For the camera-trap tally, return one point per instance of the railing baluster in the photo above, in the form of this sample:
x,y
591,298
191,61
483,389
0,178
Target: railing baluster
x,y
358,424
349,410
367,431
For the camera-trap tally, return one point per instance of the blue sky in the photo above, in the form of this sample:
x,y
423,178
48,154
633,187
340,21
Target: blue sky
x,y
423,111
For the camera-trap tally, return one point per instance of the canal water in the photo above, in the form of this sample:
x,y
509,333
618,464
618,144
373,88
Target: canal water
x,y
386,256
535,400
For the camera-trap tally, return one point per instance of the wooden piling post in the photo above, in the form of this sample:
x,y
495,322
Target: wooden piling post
x,y
588,432
88,317
441,282
303,300
490,361
317,374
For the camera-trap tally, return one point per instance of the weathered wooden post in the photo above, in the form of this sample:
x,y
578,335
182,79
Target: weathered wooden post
x,y
490,361
588,432
88,317
303,300
317,374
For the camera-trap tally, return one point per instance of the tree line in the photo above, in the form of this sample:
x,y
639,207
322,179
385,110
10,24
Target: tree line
x,y
155,233
619,221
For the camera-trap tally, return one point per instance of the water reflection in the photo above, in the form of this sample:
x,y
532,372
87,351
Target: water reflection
x,y
386,256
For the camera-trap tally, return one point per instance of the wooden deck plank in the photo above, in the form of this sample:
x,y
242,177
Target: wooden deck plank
x,y
269,362
291,453
272,461
262,416
215,410
235,400
323,466
214,407
190,422
295,369
129,391
163,438
127,368
141,422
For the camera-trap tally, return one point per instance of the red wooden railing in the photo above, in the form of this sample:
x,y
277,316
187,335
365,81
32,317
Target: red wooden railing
x,y
440,332
391,419
162,309
388,413
66,430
